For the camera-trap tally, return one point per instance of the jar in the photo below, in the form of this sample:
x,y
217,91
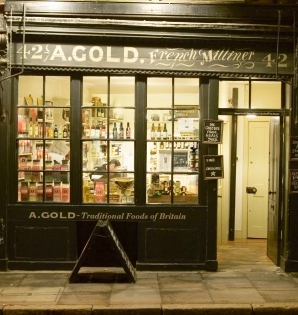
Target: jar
x,y
65,193
64,175
48,175
57,192
28,175
24,191
56,175
32,192
36,167
49,192
40,191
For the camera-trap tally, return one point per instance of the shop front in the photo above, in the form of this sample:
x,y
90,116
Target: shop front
x,y
122,130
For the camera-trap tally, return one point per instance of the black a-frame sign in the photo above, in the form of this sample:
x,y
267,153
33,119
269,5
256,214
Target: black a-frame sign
x,y
107,229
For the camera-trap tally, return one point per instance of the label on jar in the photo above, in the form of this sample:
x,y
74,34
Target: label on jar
x,y
24,193
65,194
40,192
57,193
49,193
99,192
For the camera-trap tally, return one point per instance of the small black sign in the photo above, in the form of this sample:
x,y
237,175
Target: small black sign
x,y
213,166
293,148
293,178
212,131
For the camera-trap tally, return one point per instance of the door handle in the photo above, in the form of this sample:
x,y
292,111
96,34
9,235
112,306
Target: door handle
x,y
272,192
219,196
251,190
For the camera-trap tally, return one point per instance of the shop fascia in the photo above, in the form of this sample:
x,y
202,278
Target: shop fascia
x,y
221,59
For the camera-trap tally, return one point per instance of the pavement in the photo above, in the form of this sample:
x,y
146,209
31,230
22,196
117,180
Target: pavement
x,y
246,283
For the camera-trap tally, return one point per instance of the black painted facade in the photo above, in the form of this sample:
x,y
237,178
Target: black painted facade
x,y
53,239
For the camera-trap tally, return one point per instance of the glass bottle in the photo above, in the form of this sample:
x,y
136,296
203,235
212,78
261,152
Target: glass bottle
x,y
97,130
31,129
65,132
128,131
103,132
161,146
121,131
92,131
56,132
35,129
152,132
158,132
115,131
51,132
165,132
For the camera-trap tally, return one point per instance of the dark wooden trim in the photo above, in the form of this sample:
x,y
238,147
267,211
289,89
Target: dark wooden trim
x,y
233,179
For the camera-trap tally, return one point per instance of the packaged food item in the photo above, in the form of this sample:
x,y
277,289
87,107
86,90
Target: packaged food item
x,y
99,192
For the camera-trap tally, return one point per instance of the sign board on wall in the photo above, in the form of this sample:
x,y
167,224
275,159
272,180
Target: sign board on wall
x,y
293,178
212,131
293,148
213,166
220,59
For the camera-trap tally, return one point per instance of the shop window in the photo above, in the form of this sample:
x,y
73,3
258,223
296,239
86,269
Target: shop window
x,y
108,112
43,139
250,94
265,95
233,94
172,140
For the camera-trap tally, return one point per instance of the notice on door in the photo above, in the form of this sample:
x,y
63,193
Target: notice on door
x,y
293,178
212,131
213,166
293,148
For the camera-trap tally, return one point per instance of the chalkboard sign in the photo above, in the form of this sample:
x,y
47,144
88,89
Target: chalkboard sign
x,y
293,148
213,166
293,178
212,131
116,247
126,264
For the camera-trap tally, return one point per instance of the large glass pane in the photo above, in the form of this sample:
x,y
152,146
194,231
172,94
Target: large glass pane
x,y
108,132
265,95
43,139
173,141
233,94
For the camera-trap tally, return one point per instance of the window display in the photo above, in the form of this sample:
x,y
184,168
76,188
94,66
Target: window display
x,y
107,139
172,140
43,139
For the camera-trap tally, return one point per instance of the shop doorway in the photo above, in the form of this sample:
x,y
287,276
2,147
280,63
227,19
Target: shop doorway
x,y
256,188
257,182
